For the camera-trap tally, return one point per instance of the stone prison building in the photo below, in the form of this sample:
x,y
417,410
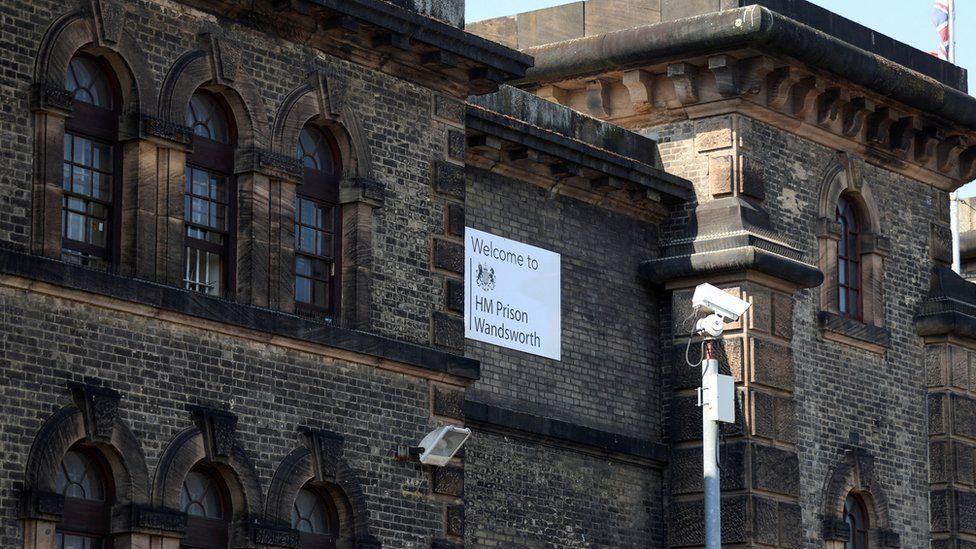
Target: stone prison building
x,y
232,275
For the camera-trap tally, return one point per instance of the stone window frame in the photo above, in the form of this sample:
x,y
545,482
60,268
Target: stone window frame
x,y
844,178
330,516
322,102
216,450
322,190
91,425
214,157
318,463
215,67
210,531
98,125
88,517
120,55
854,473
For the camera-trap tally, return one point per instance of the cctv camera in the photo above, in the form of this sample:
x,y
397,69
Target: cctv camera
x,y
722,303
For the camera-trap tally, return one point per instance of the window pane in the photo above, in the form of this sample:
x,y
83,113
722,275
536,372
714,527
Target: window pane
x,y
79,477
320,294
303,265
199,496
324,244
98,234
88,83
101,157
303,290
74,227
82,151
207,118
842,300
101,186
306,239
81,181
842,271
307,212
309,513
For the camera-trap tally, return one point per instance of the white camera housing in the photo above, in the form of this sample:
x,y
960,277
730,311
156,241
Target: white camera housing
x,y
717,301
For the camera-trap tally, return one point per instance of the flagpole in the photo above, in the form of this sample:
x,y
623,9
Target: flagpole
x,y
953,200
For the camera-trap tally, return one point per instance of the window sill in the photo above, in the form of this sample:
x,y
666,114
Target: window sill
x,y
834,327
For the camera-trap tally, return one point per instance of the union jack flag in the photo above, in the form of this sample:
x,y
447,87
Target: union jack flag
x,y
940,18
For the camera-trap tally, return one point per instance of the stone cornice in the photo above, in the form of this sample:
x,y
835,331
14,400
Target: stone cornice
x,y
488,417
385,37
729,234
148,299
572,154
840,96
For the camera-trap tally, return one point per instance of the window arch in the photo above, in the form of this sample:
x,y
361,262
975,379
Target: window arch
x,y
852,252
91,182
317,224
856,518
85,483
316,518
205,499
849,292
209,199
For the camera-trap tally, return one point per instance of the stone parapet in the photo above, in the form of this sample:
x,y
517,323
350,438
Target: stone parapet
x,y
773,68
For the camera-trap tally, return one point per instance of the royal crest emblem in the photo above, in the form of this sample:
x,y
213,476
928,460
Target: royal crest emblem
x,y
485,277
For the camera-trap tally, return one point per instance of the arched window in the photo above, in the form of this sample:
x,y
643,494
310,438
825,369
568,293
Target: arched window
x,y
317,225
848,260
316,519
208,205
205,500
856,517
92,166
83,480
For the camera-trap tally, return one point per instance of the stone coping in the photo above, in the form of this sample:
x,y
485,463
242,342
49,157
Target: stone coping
x,y
522,117
753,27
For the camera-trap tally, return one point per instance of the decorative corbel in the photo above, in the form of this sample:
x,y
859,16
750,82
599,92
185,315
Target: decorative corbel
x,y
852,166
219,430
109,18
754,71
804,95
326,449
330,91
554,94
598,98
225,56
903,134
879,126
725,68
967,164
829,105
853,115
926,142
640,85
779,86
684,76
948,150
99,407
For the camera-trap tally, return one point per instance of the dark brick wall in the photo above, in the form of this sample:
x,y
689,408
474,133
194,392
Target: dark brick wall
x,y
610,368
846,397
160,367
395,117
564,498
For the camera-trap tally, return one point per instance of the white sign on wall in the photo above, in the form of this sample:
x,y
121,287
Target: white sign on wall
x,y
511,294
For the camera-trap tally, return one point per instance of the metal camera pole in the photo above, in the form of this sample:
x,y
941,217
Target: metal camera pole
x,y
713,512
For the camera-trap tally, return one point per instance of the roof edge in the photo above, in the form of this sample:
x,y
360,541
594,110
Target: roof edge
x,y
752,26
